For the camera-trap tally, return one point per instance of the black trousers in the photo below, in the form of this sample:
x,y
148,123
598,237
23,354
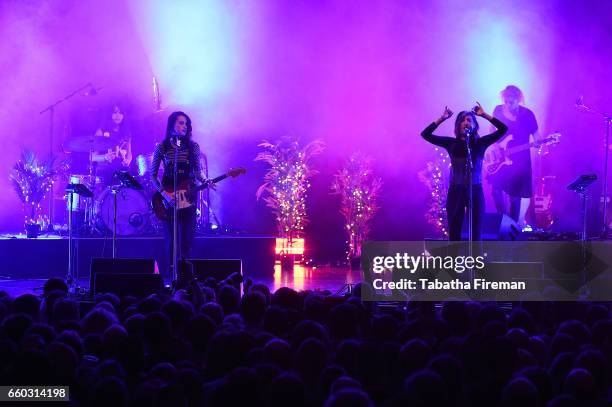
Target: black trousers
x,y
457,202
186,233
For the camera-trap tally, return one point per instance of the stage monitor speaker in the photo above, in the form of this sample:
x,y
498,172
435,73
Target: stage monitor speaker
x,y
121,266
136,284
219,269
495,226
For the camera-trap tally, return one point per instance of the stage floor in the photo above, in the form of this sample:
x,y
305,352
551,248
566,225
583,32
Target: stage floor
x,y
333,279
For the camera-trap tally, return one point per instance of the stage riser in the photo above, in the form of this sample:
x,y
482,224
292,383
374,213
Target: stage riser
x,y
44,258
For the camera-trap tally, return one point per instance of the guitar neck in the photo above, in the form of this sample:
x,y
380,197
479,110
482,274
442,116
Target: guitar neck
x,y
213,181
527,146
520,148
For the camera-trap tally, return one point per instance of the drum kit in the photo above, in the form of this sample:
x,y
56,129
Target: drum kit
x,y
94,215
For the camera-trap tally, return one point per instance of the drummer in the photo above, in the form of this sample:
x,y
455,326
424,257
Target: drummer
x,y
119,157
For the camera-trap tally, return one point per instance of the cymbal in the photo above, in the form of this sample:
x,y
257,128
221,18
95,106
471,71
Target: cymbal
x,y
89,143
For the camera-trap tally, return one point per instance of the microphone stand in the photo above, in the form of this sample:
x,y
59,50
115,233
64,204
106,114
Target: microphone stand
x,y
607,118
51,110
469,170
175,218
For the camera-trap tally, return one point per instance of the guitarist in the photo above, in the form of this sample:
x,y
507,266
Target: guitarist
x,y
515,180
189,171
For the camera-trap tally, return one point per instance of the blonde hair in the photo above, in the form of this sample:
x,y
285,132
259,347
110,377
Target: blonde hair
x,y
512,91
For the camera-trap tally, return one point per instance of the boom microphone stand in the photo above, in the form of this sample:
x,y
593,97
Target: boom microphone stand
x,y
607,118
51,110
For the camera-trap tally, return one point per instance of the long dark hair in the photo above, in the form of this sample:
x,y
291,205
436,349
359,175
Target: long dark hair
x,y
170,126
459,119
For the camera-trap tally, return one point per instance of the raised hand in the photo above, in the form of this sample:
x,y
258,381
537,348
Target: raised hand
x,y
446,114
478,110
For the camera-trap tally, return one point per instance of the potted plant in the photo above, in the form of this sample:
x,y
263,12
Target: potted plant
x,y
285,186
358,190
32,179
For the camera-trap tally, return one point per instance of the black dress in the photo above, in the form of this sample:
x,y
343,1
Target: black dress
x,y
515,179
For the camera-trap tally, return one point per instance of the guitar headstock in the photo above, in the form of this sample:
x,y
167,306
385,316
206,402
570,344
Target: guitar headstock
x,y
551,139
554,138
234,172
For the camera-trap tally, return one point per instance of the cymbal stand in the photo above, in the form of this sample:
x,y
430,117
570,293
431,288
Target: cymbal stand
x,y
90,212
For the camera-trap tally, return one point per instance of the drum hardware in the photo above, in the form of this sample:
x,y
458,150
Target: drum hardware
x,y
126,181
89,143
80,190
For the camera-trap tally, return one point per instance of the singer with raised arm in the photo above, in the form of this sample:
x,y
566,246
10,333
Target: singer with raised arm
x,y
467,143
178,145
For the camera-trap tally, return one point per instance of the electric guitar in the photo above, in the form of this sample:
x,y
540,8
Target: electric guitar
x,y
542,201
499,156
185,194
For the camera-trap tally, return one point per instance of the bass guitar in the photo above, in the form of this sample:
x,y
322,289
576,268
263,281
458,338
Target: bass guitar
x,y
500,155
186,194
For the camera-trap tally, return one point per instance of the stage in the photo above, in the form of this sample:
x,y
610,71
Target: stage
x,y
332,279
47,255
28,263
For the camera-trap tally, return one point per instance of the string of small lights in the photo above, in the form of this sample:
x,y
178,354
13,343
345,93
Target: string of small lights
x,y
32,179
435,177
286,183
358,190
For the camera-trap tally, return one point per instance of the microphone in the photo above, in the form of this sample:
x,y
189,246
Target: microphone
x,y
468,133
580,101
92,91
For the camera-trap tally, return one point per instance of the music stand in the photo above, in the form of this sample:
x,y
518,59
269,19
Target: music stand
x,y
126,181
581,185
83,191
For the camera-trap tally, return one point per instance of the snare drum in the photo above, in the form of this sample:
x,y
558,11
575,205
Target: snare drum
x,y
79,203
133,211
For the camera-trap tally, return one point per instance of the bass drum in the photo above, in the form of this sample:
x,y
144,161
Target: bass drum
x,y
133,212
